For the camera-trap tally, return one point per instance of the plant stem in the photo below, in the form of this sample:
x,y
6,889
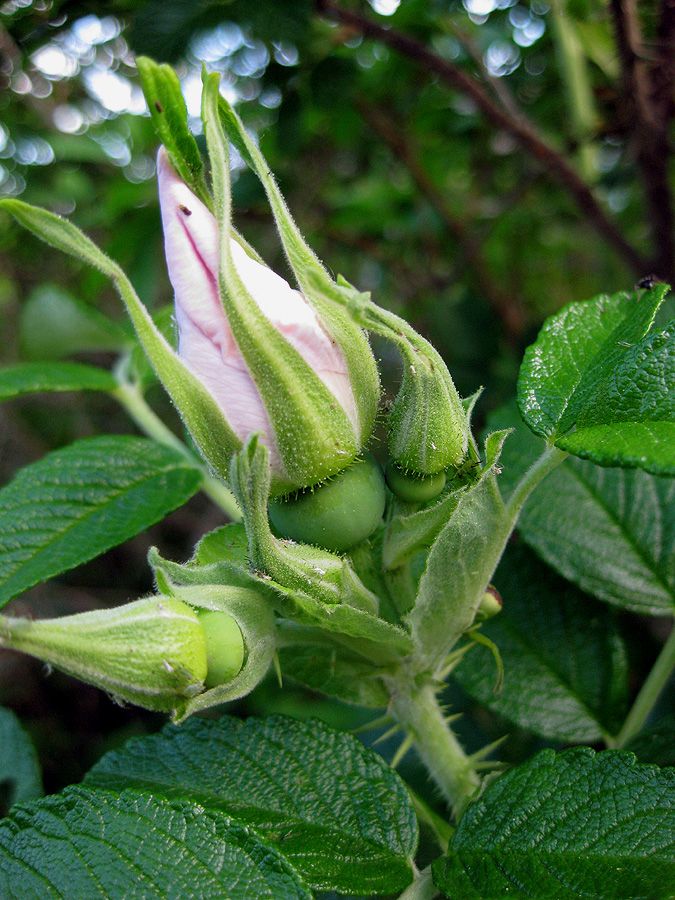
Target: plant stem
x,y
131,398
549,460
419,711
422,888
651,689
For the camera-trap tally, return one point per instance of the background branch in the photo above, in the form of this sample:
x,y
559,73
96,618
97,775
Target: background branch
x,y
516,124
507,308
647,91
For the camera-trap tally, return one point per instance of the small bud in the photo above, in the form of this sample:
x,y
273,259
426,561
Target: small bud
x,y
151,653
337,514
490,605
428,427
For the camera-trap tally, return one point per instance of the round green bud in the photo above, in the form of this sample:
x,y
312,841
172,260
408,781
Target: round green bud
x,y
337,514
413,488
224,646
490,605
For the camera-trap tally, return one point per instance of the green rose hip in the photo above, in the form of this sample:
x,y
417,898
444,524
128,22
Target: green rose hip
x,y
413,488
224,646
337,514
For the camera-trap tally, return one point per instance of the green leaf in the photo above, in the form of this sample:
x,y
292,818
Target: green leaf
x,y
335,810
656,743
20,778
644,445
614,386
566,826
576,351
225,543
610,531
409,531
641,388
30,378
54,324
98,845
82,500
163,95
565,667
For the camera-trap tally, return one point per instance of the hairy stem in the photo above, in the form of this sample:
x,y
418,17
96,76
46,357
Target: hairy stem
x,y
549,460
419,711
131,398
651,690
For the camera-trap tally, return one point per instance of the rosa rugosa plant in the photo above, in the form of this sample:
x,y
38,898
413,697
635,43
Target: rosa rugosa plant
x,y
368,590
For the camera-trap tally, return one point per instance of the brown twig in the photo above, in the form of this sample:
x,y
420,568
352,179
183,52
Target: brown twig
x,y
518,125
647,90
507,308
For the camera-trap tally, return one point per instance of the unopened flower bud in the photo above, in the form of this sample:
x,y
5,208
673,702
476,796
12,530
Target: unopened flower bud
x,y
151,653
259,347
490,605
428,426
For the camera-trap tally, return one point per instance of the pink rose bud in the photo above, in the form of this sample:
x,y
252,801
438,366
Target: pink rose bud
x,y
209,349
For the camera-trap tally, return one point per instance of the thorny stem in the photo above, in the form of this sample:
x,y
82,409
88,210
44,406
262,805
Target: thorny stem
x,y
422,888
651,690
131,398
419,711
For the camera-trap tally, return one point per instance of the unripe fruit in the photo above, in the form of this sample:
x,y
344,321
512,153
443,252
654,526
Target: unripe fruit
x,y
337,514
224,646
413,488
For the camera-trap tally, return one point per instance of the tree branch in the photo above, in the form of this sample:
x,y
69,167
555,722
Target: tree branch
x,y
647,88
506,308
517,125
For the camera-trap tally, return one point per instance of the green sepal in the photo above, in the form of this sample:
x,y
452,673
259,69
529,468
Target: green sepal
x,y
315,283
163,95
151,652
200,412
460,564
312,431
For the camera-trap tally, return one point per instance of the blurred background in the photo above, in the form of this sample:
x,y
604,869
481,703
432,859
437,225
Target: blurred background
x,y
475,164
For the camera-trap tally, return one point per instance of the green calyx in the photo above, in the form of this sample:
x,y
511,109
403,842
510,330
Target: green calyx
x,y
335,515
151,652
428,428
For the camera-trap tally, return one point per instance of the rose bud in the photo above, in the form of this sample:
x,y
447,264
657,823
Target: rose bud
x,y
259,347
